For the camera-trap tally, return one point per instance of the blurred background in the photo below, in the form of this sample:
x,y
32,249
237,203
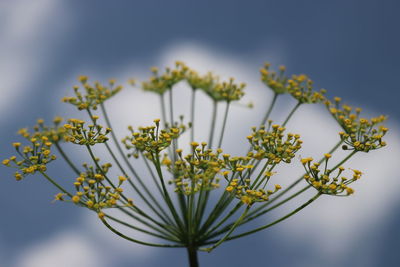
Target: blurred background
x,y
351,48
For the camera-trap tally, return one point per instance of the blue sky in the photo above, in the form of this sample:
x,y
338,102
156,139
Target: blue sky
x,y
347,47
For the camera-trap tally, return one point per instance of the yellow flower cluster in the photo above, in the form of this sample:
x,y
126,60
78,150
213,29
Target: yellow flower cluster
x,y
325,181
270,143
152,139
243,191
160,83
277,82
92,192
206,82
34,157
55,133
299,86
77,134
226,91
237,164
94,94
209,83
197,171
358,134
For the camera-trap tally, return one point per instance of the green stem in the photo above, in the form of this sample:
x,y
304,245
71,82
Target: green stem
x,y
212,127
267,114
291,113
294,195
163,110
136,240
66,158
130,167
163,217
145,160
222,203
192,113
260,174
224,124
233,211
141,229
247,219
259,211
182,204
171,113
275,222
168,228
264,121
168,200
113,186
192,255
230,231
280,194
56,184
344,160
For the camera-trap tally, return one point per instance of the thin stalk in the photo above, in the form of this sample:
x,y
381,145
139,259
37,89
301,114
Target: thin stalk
x,y
274,222
344,160
291,113
211,215
131,169
245,220
163,110
190,216
259,176
213,120
198,215
280,194
136,240
171,113
223,220
66,158
169,228
140,229
113,186
279,204
267,114
271,106
164,118
284,123
56,184
230,231
223,202
256,211
141,194
224,124
192,113
181,199
145,160
168,200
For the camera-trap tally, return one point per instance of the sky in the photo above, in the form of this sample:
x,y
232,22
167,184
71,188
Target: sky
x,y
348,47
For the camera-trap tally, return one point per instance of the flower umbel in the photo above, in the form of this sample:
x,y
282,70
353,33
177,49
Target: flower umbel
x,y
360,134
190,193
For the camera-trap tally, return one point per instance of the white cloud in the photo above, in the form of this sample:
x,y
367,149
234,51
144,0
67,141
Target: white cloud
x,y
27,32
65,249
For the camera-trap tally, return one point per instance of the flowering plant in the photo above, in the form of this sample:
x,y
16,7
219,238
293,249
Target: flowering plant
x,y
175,196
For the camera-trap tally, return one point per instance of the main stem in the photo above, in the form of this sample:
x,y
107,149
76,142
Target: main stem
x,y
192,254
